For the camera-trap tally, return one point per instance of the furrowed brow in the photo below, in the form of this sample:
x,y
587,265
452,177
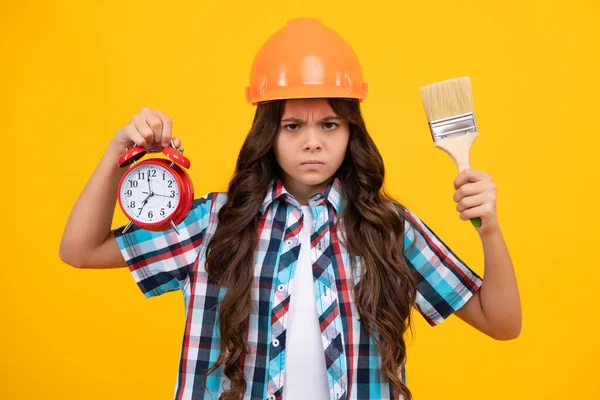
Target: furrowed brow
x,y
301,121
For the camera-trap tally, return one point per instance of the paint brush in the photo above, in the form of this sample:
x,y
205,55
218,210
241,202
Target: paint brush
x,y
449,109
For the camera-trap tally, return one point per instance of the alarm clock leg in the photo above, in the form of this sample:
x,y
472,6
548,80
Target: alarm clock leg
x,y
127,227
174,227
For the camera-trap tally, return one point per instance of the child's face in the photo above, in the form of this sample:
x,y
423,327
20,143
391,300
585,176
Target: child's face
x,y
309,130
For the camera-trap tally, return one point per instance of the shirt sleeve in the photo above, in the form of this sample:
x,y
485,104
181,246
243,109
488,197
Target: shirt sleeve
x,y
161,261
444,282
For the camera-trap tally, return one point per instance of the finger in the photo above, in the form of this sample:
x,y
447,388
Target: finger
x,y
468,189
483,211
176,142
154,122
471,201
134,135
167,127
469,175
462,178
474,188
143,128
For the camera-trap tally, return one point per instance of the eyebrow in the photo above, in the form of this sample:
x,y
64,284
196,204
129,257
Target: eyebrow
x,y
300,121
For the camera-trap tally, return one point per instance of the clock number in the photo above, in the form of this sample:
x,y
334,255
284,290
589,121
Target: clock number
x,y
132,204
141,175
129,193
150,215
169,205
162,212
170,184
152,173
172,193
133,183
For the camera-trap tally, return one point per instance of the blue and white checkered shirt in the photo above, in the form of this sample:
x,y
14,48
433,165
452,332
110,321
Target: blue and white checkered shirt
x,y
164,261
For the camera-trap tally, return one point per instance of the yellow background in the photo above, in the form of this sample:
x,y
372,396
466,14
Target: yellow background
x,y
74,72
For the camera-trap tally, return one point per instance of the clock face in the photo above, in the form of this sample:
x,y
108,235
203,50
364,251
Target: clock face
x,y
149,193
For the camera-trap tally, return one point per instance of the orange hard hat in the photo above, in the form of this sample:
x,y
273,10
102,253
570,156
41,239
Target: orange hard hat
x,y
305,59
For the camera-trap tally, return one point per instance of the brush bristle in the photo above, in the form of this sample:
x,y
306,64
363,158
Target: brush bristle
x,y
447,98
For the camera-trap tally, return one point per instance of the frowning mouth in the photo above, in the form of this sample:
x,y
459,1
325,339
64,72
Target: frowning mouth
x,y
309,162
312,165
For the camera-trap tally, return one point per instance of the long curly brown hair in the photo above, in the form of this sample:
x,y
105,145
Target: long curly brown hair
x,y
373,229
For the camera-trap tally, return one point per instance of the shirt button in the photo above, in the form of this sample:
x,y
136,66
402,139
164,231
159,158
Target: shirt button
x,y
288,242
271,397
275,343
281,288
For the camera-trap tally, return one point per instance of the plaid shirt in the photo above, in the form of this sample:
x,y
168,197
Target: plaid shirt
x,y
161,262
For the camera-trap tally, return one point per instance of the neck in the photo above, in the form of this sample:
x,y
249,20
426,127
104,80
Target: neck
x,y
302,192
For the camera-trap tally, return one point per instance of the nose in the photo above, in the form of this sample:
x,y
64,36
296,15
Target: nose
x,y
312,142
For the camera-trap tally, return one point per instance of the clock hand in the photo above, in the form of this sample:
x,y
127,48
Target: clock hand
x,y
155,194
149,195
149,187
144,203
142,207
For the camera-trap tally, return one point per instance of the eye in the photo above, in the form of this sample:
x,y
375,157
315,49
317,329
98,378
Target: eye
x,y
291,127
333,125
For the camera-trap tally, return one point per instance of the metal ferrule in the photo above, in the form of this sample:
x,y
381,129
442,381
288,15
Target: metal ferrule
x,y
452,126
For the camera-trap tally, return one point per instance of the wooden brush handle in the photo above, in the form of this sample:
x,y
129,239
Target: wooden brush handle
x,y
458,148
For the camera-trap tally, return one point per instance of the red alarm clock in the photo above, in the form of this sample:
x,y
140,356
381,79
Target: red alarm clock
x,y
155,194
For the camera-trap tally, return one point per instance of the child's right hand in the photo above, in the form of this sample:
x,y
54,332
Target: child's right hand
x,y
148,128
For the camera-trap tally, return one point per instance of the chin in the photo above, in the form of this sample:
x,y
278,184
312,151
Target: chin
x,y
312,179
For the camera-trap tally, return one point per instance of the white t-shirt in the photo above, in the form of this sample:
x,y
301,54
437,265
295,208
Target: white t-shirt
x,y
305,375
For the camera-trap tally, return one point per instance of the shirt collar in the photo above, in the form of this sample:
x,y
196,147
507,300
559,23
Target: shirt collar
x,y
332,193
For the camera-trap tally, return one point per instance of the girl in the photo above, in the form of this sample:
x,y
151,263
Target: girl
x,y
299,280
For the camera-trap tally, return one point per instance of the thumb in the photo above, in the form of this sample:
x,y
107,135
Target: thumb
x,y
176,142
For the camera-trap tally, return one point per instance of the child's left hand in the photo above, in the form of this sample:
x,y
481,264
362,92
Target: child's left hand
x,y
476,197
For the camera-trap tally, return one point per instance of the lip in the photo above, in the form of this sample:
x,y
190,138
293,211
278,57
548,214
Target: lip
x,y
311,162
312,165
